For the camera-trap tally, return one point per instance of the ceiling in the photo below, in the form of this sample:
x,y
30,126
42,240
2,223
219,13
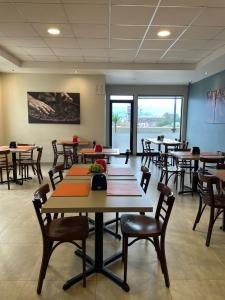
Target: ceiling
x,y
117,38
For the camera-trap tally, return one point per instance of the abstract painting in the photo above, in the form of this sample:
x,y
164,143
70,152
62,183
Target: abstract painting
x,y
216,106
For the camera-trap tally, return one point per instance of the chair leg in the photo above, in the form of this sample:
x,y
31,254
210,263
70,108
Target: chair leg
x,y
117,222
7,172
44,264
84,262
163,263
199,213
125,257
210,227
157,248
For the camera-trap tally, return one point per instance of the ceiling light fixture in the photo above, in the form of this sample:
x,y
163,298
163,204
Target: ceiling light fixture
x,y
54,31
164,33
75,71
206,73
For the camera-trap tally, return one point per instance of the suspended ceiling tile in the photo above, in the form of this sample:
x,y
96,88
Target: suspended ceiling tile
x,y
45,58
211,17
22,42
175,31
175,16
221,35
122,53
156,44
198,54
17,30
90,30
94,14
131,15
149,54
198,44
95,59
128,32
121,59
38,51
95,52
9,13
185,3
201,32
135,2
71,59
42,29
93,43
86,1
66,52
124,44
47,13
58,42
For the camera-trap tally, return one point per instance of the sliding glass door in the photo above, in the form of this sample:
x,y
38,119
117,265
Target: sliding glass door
x,y
158,116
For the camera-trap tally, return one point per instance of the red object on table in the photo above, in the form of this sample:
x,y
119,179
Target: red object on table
x,y
98,148
101,162
75,139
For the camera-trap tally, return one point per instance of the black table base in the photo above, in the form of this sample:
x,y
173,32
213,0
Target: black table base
x,y
98,265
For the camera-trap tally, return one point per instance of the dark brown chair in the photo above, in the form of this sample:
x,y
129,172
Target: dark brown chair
x,y
26,158
5,166
56,175
144,149
56,152
185,164
148,228
58,231
145,179
168,171
35,164
210,162
127,156
68,156
216,202
151,154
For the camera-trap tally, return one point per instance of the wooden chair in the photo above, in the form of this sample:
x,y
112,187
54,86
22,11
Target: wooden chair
x,y
58,231
210,162
68,156
127,156
5,166
56,175
151,155
144,150
145,179
57,153
35,164
26,158
185,164
149,228
168,171
216,202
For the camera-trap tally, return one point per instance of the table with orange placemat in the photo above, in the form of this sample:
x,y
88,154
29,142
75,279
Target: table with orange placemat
x,y
76,196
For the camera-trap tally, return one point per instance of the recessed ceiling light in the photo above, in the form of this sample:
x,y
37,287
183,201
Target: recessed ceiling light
x,y
164,33
75,71
54,31
206,73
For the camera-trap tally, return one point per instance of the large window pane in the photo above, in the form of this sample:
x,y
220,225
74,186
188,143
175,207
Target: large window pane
x,y
158,116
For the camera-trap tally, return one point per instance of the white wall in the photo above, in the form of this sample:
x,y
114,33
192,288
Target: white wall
x,y
1,114
14,100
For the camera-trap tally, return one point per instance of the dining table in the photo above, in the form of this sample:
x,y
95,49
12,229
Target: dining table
x,y
188,155
14,152
120,196
165,142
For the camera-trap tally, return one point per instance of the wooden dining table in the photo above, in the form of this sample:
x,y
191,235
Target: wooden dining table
x,y
187,155
165,142
120,196
14,152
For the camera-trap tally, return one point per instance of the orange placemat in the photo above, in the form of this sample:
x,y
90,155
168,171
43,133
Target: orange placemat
x,y
222,173
25,147
113,171
72,189
78,171
88,150
123,188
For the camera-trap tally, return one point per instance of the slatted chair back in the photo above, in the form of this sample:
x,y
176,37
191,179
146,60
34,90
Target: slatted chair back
x,y
165,205
205,187
56,175
26,155
4,158
145,178
210,162
54,147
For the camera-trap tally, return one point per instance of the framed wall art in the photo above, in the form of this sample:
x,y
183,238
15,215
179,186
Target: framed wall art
x,y
55,108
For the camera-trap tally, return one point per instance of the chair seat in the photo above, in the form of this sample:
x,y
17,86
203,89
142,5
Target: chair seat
x,y
67,229
173,169
140,226
26,161
60,152
219,200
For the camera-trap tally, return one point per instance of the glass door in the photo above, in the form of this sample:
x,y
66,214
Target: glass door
x,y
121,125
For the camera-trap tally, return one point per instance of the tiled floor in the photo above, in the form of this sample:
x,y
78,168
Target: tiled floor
x,y
196,272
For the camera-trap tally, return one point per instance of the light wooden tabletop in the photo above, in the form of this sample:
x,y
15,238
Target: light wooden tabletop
x,y
189,156
106,151
164,142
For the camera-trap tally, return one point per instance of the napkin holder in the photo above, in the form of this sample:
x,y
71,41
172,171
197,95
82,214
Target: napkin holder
x,y
99,182
12,144
195,150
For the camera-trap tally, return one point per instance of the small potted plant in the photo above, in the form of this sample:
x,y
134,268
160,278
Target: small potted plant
x,y
162,137
95,168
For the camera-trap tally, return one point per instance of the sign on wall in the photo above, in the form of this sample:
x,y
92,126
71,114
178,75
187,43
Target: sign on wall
x,y
216,106
57,108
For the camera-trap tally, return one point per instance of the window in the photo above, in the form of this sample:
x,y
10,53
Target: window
x,y
158,116
121,97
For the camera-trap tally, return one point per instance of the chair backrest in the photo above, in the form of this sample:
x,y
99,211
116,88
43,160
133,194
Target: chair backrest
x,y
145,178
207,161
40,197
208,191
26,155
4,159
143,144
165,205
39,150
127,156
54,142
56,175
